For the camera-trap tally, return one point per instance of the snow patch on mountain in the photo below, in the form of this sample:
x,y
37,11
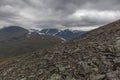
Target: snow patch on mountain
x,y
65,34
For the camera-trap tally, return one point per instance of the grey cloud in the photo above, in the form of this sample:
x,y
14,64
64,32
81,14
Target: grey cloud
x,y
51,13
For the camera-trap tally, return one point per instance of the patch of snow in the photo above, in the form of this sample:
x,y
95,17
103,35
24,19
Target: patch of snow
x,y
57,32
41,33
47,31
63,39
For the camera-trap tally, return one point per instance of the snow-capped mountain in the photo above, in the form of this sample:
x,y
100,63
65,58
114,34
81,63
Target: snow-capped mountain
x,y
65,34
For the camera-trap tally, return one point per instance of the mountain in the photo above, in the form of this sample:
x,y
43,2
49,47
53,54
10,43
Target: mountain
x,y
68,34
65,34
12,32
92,56
49,31
15,40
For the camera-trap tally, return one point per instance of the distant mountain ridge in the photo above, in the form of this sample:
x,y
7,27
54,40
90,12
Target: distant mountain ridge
x,y
65,34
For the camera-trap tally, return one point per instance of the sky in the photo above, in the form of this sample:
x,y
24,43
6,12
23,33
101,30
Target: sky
x,y
62,14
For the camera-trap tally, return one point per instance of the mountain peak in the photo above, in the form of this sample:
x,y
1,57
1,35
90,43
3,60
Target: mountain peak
x,y
10,32
12,28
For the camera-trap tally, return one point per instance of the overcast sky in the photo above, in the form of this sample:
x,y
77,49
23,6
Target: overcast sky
x,y
72,14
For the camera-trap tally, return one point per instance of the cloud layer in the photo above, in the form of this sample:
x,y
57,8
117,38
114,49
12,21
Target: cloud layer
x,y
72,14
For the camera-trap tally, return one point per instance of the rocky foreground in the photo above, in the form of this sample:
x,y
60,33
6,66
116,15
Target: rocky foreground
x,y
93,56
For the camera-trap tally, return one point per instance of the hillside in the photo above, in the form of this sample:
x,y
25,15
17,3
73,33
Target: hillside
x,y
92,56
15,41
12,32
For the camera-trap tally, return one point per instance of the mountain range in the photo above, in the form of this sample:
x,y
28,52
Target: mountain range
x,y
15,40
65,34
94,55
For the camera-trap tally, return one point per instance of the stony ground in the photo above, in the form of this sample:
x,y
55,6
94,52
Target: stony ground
x,y
93,56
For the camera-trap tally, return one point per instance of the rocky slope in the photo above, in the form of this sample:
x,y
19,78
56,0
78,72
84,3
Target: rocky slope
x,y
16,40
93,56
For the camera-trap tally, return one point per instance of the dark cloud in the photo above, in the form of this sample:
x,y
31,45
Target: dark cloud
x,y
58,13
